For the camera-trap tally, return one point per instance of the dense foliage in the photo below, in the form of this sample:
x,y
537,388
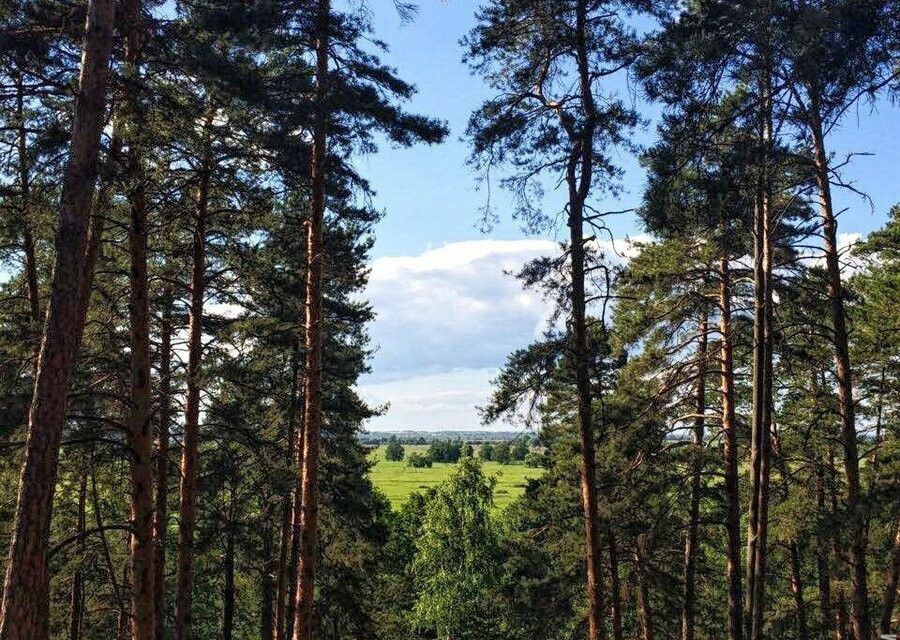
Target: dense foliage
x,y
184,248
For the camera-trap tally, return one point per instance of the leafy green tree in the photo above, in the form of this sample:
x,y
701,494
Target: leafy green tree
x,y
502,453
456,559
394,451
486,452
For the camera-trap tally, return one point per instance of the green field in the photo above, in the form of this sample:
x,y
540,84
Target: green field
x,y
398,480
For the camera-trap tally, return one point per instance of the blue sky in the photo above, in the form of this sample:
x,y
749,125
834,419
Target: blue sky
x,y
447,314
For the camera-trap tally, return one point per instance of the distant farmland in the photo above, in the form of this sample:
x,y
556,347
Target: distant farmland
x,y
397,480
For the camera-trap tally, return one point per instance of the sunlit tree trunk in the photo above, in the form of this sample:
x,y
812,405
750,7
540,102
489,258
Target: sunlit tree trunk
x,y
855,508
757,527
25,608
730,454
312,391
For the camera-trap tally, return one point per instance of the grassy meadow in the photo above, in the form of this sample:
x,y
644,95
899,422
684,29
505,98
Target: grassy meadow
x,y
398,480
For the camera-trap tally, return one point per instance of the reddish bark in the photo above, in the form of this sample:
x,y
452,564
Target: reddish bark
x,y
25,596
855,509
312,392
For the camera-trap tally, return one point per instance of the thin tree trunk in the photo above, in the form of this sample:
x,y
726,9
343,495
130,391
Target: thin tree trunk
x,y
287,511
840,600
890,586
797,591
267,587
25,606
187,491
294,559
730,454
644,615
690,538
76,608
855,508
757,527
31,280
615,585
228,592
160,517
123,625
312,393
137,424
822,546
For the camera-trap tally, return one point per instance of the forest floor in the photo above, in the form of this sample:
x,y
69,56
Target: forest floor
x,y
397,480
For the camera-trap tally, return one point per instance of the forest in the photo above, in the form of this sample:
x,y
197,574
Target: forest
x,y
712,415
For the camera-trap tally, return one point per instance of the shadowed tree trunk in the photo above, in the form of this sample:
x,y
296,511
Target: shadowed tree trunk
x,y
267,584
188,489
312,391
160,517
228,590
643,593
615,585
25,605
284,592
31,281
730,454
137,423
797,591
76,608
890,586
822,568
690,537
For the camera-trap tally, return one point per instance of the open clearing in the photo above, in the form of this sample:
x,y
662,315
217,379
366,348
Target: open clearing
x,y
398,480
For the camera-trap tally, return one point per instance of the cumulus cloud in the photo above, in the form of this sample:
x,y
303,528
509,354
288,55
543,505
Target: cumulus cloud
x,y
446,320
453,307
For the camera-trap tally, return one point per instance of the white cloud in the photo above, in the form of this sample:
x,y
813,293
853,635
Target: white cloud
x,y
434,402
446,320
453,307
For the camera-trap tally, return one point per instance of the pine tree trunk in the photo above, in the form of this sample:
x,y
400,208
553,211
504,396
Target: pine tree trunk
x,y
228,592
76,607
890,586
644,615
615,585
855,508
822,547
757,527
137,423
160,517
730,454
294,553
188,489
284,594
31,281
581,158
25,609
312,393
690,538
797,591
267,585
